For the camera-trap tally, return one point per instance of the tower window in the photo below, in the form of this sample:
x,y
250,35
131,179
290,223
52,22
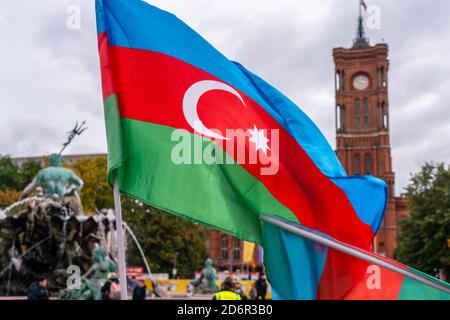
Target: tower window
x,y
357,164
236,249
366,113
224,248
383,77
384,116
338,81
368,163
358,113
339,117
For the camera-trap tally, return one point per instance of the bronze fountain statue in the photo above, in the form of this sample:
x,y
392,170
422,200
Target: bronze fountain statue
x,y
46,231
207,283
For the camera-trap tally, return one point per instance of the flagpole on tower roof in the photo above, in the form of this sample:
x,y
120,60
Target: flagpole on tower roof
x,y
360,12
361,41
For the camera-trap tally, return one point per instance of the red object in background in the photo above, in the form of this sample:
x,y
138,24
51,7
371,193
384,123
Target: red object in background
x,y
134,271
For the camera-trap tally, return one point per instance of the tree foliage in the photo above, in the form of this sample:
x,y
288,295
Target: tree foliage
x,y
9,174
14,178
8,197
422,241
28,170
96,192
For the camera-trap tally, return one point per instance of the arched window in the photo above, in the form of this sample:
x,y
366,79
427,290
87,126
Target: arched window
x,y
357,164
368,164
338,81
384,116
236,249
383,77
366,113
381,73
358,113
339,117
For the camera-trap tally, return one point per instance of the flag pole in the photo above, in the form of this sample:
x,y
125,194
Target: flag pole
x,y
353,251
120,240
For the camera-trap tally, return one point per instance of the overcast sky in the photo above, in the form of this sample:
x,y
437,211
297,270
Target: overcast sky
x,y
49,74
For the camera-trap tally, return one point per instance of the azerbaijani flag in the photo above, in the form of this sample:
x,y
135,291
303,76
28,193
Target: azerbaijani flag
x,y
300,273
164,85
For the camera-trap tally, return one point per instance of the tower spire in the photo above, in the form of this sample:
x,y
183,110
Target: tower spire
x,y
361,40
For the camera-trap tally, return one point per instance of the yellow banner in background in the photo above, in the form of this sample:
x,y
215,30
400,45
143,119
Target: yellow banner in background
x,y
249,249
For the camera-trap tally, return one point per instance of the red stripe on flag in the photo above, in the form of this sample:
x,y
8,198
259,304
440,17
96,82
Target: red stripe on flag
x,y
349,278
105,66
151,87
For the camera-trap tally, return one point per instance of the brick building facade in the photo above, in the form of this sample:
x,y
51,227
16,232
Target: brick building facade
x,y
225,250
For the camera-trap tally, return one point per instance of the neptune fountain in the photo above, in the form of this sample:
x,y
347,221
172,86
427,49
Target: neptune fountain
x,y
47,231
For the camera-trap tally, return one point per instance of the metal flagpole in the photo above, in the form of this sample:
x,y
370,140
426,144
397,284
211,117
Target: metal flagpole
x,y
120,242
353,251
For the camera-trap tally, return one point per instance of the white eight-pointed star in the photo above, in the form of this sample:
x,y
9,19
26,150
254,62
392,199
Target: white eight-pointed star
x,y
259,139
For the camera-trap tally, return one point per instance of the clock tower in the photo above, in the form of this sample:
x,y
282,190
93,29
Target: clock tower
x,y
362,123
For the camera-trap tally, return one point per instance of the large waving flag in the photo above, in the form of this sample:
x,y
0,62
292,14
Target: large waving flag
x,y
296,261
160,77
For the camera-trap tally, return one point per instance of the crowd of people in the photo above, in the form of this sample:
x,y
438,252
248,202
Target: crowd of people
x,y
232,290
110,290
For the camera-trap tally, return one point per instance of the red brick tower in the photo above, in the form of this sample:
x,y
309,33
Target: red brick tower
x,y
362,123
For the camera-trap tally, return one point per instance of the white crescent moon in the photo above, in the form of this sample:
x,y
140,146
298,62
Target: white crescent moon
x,y
190,102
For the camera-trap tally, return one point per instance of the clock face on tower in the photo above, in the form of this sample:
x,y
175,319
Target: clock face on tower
x,y
361,82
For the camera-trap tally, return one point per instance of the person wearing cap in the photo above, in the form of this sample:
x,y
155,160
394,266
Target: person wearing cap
x,y
38,291
140,290
227,292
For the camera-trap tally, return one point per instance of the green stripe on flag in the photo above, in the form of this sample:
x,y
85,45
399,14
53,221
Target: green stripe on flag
x,y
223,196
113,135
414,290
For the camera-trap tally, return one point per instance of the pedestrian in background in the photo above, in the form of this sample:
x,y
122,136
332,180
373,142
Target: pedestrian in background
x,y
227,291
261,287
132,283
38,291
140,290
111,288
238,289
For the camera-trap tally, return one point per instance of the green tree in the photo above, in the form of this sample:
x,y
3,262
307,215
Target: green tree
x,y
8,197
10,177
96,192
14,178
28,170
166,239
422,241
